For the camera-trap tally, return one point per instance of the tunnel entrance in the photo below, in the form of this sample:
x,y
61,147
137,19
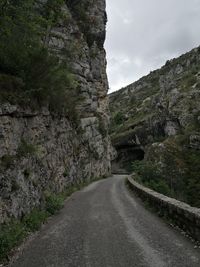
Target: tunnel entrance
x,y
126,155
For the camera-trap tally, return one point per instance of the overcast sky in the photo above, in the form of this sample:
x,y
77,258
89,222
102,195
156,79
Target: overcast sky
x,y
143,34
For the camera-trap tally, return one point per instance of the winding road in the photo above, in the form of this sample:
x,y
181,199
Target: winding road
x,y
105,225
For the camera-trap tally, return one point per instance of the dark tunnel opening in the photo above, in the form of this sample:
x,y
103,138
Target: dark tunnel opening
x,y
126,155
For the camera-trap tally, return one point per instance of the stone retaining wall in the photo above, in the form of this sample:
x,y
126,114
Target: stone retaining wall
x,y
182,214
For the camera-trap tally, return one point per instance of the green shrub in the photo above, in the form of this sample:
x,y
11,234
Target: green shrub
x,y
118,118
54,203
188,80
29,73
7,161
192,177
10,235
183,185
146,170
26,149
13,233
149,175
191,81
160,186
80,11
33,221
10,86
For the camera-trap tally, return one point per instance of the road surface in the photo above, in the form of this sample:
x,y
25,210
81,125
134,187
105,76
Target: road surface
x,y
105,225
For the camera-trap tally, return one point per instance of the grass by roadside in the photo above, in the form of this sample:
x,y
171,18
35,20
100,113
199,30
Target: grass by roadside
x,y
13,233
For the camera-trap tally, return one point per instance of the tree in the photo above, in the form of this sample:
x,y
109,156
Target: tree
x,y
26,65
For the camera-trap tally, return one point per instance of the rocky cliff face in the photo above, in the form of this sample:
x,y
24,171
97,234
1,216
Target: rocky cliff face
x,y
158,119
41,151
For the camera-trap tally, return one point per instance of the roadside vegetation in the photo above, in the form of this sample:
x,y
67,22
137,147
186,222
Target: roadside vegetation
x,y
184,186
150,176
13,233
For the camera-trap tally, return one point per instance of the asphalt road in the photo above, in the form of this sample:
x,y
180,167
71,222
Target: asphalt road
x,y
105,225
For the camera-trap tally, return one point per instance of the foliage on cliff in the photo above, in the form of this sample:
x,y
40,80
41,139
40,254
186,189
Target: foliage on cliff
x,y
28,71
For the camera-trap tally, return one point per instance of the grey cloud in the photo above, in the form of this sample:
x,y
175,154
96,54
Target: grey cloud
x,y
143,34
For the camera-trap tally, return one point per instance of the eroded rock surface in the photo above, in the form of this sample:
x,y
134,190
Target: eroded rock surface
x,y
41,151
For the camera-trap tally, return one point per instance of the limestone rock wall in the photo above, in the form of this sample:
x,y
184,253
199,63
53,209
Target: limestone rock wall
x,y
41,151
162,106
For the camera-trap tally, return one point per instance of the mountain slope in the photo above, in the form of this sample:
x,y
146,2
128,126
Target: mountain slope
x,y
158,118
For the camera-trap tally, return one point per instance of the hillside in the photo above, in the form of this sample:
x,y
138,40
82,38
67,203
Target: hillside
x,y
157,120
53,100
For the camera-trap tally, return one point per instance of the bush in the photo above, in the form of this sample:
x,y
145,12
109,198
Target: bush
x,y
192,177
188,80
33,221
191,81
13,233
149,175
146,170
80,10
193,189
29,74
10,236
54,203
26,149
184,185
10,86
160,186
118,118
7,161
